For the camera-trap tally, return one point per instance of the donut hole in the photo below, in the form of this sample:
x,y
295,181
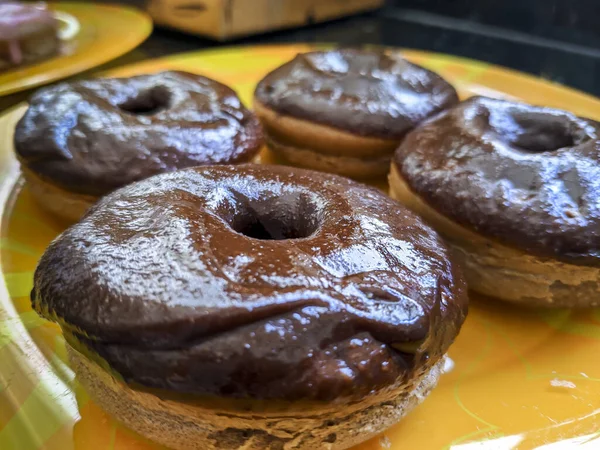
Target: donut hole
x,y
539,132
291,216
148,102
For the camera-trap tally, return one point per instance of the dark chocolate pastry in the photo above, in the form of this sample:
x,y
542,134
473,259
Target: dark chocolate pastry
x,y
263,282
525,176
368,93
91,137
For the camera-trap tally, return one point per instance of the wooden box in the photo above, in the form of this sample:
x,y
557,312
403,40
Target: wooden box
x,y
227,19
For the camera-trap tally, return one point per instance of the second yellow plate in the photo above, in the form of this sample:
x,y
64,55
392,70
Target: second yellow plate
x,y
94,34
518,379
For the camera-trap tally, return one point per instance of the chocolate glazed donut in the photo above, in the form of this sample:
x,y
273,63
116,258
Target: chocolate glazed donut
x,y
305,310
515,190
79,141
28,33
346,111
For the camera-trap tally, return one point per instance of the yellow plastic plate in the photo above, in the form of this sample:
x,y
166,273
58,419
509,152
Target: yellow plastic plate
x,y
518,379
92,35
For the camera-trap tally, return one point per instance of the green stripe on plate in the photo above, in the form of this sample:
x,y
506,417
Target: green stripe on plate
x,y
18,247
19,284
39,417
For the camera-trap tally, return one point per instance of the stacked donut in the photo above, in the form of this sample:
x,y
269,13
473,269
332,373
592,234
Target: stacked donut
x,y
212,303
346,111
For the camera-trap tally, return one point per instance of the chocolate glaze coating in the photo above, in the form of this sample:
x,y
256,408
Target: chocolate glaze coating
x,y
369,93
526,176
91,137
306,300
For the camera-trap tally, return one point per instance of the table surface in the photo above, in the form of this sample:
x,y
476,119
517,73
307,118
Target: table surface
x,y
571,64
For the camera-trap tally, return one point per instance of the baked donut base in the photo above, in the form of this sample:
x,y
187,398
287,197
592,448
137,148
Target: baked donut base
x,y
320,147
192,427
359,168
66,205
504,272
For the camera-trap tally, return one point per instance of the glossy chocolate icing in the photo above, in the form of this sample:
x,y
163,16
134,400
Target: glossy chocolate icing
x,y
319,294
369,93
526,176
91,137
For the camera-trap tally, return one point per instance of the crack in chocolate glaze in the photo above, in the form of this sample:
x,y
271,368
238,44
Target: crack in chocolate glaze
x,y
158,283
524,175
93,136
371,93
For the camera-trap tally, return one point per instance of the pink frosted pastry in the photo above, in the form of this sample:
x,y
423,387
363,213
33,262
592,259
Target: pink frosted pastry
x,y
28,32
